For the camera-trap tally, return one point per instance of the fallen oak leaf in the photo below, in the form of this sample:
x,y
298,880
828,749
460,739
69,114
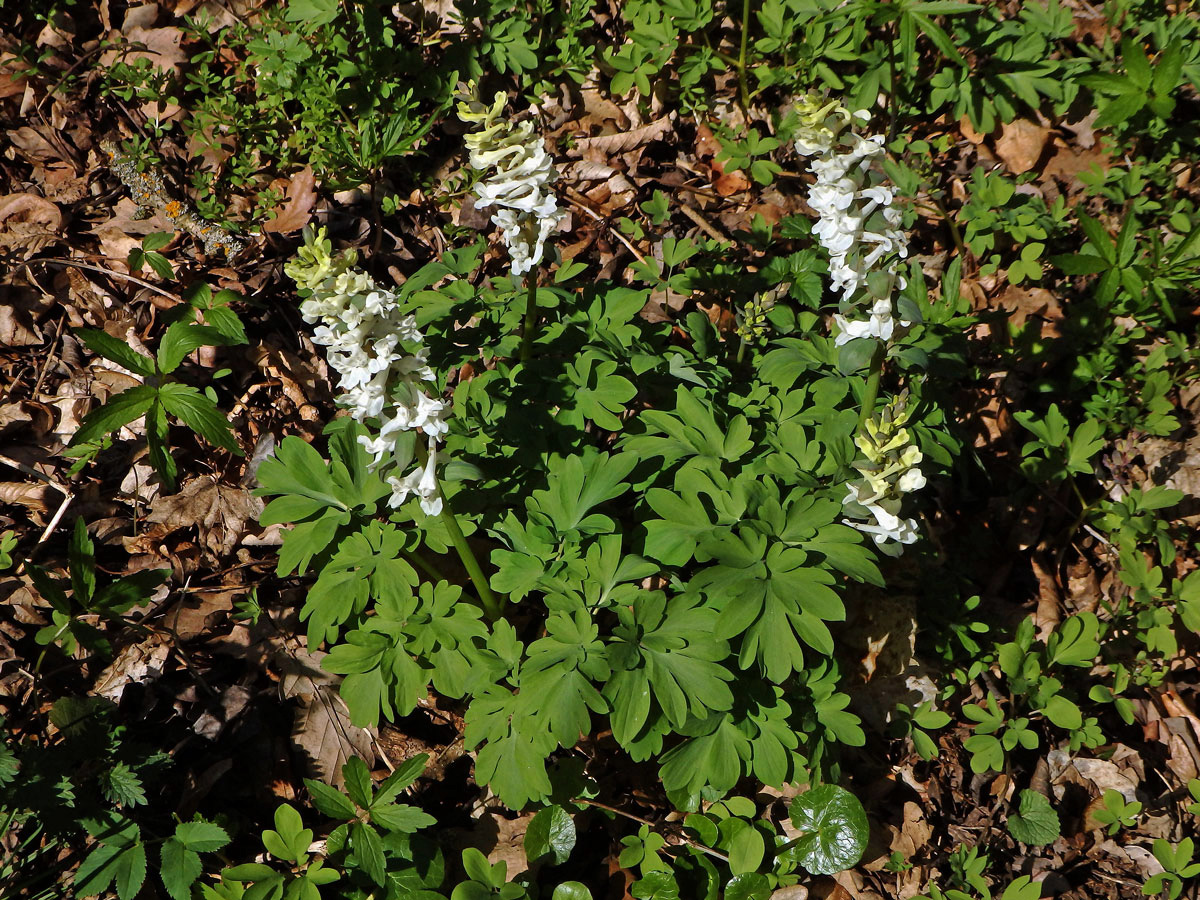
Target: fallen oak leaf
x,y
608,144
297,210
322,728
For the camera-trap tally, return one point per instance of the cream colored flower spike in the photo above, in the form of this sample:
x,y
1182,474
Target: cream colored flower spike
x,y
527,210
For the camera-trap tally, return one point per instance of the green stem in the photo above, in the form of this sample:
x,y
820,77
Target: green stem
x,y
491,606
955,234
784,848
872,389
432,571
530,319
741,62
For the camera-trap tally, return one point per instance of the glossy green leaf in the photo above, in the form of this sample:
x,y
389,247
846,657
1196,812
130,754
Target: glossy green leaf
x,y
835,829
551,833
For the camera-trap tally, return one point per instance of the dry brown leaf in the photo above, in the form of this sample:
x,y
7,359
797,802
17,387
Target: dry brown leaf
x,y
136,664
18,325
827,888
626,140
498,838
209,724
30,208
706,146
34,145
1025,302
1020,144
30,418
198,611
31,496
1084,136
969,132
322,728
585,170
123,232
1176,464
28,223
914,833
219,512
297,210
731,183
1066,165
600,110
12,81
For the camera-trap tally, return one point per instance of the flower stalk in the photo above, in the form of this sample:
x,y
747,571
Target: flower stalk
x,y
491,605
530,327
860,227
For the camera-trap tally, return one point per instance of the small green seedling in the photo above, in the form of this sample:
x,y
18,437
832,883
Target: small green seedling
x,y
1117,812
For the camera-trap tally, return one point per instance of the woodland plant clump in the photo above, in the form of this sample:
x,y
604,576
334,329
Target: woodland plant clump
x,y
603,536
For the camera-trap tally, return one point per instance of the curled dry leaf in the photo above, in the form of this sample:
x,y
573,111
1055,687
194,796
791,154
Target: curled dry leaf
x,y
297,210
597,148
29,417
29,208
28,223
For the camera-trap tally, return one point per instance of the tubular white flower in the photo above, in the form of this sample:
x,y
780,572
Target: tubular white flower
x,y
380,358
527,210
889,471
422,482
857,223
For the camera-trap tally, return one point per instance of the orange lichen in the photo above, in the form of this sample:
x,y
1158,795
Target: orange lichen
x,y
150,193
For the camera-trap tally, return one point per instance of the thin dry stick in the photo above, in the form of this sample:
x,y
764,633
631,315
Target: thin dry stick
x,y
703,223
78,265
49,358
62,508
599,218
692,190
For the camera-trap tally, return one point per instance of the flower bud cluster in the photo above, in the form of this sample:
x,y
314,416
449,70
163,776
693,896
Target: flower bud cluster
x,y
857,222
889,471
527,210
380,357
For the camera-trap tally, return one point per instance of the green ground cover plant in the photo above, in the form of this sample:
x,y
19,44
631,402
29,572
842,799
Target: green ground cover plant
x,y
733,449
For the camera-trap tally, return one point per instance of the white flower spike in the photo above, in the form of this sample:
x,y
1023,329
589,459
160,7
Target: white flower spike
x,y
379,355
857,224
526,209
